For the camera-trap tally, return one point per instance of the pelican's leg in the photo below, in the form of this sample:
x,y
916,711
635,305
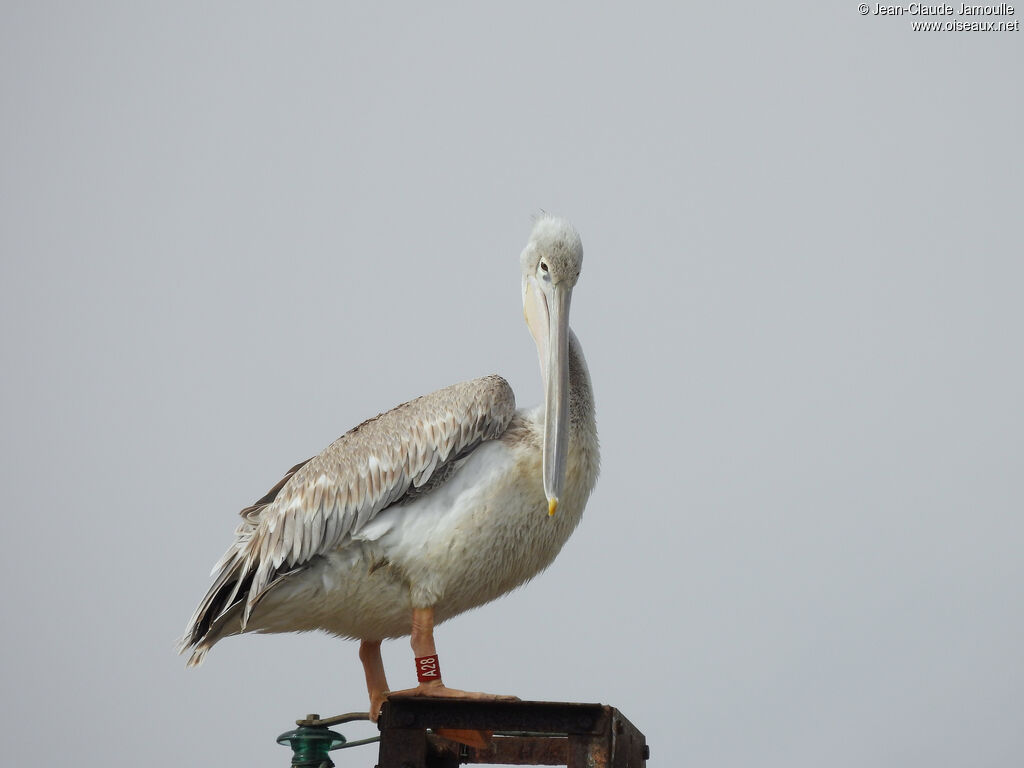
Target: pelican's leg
x,y
376,682
423,645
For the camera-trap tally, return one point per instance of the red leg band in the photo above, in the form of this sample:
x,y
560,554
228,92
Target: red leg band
x,y
427,669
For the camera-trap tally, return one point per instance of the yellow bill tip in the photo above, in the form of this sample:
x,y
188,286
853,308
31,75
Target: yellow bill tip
x,y
552,506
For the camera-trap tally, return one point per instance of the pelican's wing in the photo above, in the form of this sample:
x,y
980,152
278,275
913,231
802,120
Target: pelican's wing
x,y
322,502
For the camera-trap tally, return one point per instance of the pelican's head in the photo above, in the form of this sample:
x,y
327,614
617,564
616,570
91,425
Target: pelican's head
x,y
551,266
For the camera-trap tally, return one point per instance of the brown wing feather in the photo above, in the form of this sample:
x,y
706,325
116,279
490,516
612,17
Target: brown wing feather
x,y
321,502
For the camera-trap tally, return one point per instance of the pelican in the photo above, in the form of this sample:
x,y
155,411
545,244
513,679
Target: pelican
x,y
428,510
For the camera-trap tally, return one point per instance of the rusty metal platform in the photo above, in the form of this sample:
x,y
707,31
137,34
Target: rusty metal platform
x,y
515,733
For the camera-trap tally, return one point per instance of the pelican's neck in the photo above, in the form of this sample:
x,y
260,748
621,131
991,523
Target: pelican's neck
x,y
584,450
581,396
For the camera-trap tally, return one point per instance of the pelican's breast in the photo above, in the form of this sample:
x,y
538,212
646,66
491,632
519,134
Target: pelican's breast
x,y
462,544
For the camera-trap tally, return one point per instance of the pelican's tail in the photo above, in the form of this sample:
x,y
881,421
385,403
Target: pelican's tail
x,y
218,615
226,607
198,654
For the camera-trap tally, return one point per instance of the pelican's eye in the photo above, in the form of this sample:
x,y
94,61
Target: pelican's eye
x,y
544,268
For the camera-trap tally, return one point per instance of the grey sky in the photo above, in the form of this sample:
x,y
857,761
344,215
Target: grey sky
x,y
228,235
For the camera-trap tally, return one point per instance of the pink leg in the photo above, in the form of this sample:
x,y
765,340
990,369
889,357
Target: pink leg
x,y
376,682
423,645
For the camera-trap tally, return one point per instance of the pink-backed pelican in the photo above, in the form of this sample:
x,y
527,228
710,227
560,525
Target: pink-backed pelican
x,y
432,508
